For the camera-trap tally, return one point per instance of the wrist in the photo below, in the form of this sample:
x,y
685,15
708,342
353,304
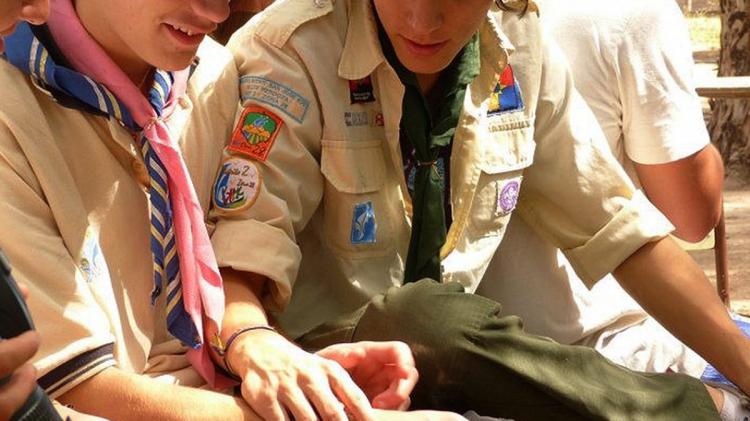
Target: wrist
x,y
236,344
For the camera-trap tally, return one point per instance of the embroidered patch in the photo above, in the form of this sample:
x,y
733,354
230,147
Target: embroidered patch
x,y
364,227
356,119
361,91
506,96
363,118
507,197
255,133
92,264
237,185
272,93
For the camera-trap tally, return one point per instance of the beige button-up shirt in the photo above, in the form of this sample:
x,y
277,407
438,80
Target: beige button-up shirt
x,y
74,218
318,67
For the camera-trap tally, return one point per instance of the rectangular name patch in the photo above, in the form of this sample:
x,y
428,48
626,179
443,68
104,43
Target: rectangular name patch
x,y
276,95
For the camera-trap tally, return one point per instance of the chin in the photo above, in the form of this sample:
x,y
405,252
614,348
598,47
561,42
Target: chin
x,y
174,62
425,67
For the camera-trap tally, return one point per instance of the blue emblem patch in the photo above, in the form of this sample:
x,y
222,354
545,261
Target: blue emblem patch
x,y
506,96
364,227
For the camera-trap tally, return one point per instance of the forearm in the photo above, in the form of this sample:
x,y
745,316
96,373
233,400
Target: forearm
x,y
674,290
243,306
117,395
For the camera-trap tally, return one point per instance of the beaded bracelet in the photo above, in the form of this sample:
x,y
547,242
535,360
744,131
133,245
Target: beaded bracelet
x,y
223,348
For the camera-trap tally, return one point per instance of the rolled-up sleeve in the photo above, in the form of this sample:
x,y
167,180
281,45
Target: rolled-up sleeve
x,y
261,238
576,193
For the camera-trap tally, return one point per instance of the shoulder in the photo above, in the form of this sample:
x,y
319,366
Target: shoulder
x,y
280,21
215,63
22,107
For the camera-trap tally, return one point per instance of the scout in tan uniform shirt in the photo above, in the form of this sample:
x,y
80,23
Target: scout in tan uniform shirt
x,y
76,200
322,123
15,352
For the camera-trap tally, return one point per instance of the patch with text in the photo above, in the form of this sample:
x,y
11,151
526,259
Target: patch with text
x,y
272,93
361,91
237,185
255,133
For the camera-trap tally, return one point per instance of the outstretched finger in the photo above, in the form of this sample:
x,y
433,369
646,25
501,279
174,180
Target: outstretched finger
x,y
347,355
263,400
349,393
297,404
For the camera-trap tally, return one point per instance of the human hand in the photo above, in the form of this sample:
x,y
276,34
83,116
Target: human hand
x,y
14,354
280,380
384,370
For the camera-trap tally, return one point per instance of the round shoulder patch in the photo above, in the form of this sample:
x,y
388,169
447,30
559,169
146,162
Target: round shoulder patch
x,y
237,185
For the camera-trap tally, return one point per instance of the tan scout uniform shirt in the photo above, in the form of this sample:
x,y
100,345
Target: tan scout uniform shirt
x,y
324,163
75,223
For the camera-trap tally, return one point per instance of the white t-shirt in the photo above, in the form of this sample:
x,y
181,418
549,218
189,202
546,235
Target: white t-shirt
x,y
632,62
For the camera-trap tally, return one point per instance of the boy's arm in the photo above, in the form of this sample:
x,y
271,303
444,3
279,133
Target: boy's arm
x,y
115,394
277,375
672,288
688,191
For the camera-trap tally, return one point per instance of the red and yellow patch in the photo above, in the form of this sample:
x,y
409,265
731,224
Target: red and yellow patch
x,y
255,133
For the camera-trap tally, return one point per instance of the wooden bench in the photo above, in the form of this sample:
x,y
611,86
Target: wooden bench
x,y
724,87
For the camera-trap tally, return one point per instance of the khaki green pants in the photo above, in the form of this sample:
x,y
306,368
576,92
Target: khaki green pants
x,y
470,358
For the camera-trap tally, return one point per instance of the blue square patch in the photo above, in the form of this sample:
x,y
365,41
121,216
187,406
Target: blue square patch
x,y
364,227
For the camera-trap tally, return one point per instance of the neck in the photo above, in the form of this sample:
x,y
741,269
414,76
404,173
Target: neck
x,y
427,82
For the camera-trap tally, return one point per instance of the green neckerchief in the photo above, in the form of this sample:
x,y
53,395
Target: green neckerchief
x,y
428,136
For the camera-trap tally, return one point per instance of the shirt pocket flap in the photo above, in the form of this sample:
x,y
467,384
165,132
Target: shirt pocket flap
x,y
508,148
353,167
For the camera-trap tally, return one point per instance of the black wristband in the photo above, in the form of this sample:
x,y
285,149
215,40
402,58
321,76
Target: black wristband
x,y
223,351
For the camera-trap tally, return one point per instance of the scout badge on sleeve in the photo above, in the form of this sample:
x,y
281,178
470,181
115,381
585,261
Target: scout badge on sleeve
x,y
506,96
364,227
255,133
237,185
507,196
277,95
361,91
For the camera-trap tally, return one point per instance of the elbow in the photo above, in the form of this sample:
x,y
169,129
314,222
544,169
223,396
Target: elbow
x,y
698,227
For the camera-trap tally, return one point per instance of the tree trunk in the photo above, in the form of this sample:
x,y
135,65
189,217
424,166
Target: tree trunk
x,y
730,118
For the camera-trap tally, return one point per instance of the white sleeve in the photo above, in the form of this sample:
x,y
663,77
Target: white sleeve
x,y
662,114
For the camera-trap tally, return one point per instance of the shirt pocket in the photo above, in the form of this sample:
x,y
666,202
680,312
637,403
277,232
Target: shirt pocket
x,y
357,216
507,149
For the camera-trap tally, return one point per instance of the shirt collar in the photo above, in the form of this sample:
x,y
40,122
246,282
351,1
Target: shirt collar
x,y
362,53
